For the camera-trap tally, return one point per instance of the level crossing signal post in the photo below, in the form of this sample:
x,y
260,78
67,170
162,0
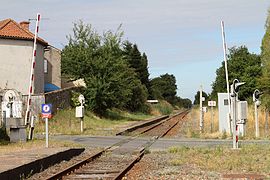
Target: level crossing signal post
x,y
201,111
234,98
257,103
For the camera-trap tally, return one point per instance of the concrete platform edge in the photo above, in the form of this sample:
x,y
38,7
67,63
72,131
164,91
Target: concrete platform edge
x,y
22,172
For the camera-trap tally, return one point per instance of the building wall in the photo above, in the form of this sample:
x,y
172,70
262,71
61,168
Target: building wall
x,y
60,99
15,65
39,70
53,76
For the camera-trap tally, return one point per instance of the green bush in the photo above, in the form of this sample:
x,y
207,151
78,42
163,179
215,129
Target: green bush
x,y
163,107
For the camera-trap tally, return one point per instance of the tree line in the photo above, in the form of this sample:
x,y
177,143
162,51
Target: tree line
x,y
115,71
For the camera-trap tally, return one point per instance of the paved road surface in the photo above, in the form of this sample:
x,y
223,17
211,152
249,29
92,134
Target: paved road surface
x,y
161,144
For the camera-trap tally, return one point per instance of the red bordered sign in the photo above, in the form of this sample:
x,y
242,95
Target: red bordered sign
x,y
46,110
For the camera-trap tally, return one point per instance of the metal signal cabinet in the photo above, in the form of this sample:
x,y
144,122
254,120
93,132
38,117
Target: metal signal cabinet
x,y
223,112
242,110
242,113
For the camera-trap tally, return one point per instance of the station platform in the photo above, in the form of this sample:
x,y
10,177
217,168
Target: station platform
x,y
21,164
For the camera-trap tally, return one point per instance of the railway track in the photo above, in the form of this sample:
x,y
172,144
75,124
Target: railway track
x,y
115,161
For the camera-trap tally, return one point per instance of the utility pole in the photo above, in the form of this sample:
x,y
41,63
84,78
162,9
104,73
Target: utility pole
x,y
201,111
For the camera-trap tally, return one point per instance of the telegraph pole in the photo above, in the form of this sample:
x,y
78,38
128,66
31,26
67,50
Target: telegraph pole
x,y
201,111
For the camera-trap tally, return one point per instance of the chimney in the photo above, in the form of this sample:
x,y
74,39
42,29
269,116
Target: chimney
x,y
25,25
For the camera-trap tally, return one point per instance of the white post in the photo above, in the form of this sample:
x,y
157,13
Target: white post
x,y
226,70
235,144
212,119
47,132
81,124
82,101
256,120
201,111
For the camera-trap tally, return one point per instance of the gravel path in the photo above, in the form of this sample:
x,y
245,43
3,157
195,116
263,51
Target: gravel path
x,y
157,165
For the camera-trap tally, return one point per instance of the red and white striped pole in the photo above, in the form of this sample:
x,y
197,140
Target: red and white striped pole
x,y
237,134
31,79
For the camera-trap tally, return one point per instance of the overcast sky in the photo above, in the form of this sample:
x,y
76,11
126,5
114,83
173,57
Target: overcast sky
x,y
180,37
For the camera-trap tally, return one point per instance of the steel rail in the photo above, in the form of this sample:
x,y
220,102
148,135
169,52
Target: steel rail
x,y
166,132
81,163
124,171
72,168
147,123
129,166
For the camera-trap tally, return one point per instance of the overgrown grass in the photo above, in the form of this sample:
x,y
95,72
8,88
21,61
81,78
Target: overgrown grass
x,y
65,122
250,125
163,107
250,158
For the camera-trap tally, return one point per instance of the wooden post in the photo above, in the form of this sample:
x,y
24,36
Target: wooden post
x,y
266,121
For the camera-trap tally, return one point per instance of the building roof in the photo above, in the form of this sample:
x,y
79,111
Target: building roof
x,y
12,30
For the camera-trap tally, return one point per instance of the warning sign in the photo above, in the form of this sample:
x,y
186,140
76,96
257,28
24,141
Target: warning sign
x,y
46,110
211,103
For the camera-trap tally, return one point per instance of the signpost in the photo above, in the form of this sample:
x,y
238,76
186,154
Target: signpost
x,y
80,110
46,114
212,104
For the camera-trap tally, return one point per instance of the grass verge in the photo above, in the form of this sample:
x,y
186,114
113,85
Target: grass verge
x,y
249,159
163,108
65,122
193,126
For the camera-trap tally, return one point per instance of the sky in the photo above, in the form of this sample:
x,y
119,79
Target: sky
x,y
180,37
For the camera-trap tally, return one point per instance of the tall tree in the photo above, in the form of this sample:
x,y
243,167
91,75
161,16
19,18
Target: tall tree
x,y
185,103
265,57
164,87
138,62
99,61
242,65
